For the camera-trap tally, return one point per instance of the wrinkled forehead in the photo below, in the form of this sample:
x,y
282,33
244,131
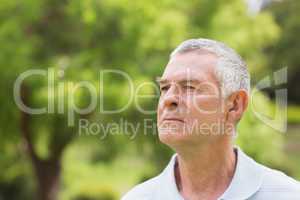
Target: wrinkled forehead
x,y
191,65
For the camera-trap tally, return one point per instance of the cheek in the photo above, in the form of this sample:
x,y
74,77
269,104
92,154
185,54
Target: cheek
x,y
204,108
159,113
158,116
159,109
204,104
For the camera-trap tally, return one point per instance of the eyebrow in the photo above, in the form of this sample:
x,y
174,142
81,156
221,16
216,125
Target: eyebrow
x,y
160,80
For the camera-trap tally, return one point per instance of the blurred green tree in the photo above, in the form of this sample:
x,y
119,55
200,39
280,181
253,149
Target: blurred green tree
x,y
284,52
75,39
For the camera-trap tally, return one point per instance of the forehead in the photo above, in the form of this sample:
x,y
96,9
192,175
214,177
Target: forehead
x,y
191,65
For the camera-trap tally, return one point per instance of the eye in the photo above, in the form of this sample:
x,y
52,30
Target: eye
x,y
164,88
189,87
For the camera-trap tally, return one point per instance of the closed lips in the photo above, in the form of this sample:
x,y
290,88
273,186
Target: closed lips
x,y
173,119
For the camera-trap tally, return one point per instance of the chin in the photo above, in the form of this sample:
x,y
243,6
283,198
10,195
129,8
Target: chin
x,y
173,138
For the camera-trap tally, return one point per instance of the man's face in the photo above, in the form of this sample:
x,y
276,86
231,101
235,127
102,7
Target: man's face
x,y
189,109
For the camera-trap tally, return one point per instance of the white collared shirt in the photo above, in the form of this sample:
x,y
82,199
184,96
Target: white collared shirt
x,y
251,181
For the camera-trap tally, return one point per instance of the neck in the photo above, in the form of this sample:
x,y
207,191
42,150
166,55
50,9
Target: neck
x,y
205,172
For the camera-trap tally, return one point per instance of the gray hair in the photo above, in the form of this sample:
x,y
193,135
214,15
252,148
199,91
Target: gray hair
x,y
231,71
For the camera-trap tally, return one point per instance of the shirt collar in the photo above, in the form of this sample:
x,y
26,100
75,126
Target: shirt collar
x,y
246,181
247,178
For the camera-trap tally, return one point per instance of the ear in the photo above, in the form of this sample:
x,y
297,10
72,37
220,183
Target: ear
x,y
236,105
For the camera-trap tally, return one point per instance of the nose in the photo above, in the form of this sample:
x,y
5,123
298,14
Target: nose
x,y
171,98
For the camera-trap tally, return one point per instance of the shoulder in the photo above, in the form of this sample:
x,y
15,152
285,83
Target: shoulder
x,y
154,188
143,191
277,185
277,179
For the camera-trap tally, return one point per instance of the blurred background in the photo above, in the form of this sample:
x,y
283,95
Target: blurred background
x,y
42,157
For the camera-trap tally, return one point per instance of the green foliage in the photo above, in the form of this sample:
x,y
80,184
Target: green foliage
x,y
75,39
256,138
96,193
293,114
284,52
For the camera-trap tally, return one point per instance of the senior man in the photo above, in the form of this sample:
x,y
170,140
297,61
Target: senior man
x,y
204,93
